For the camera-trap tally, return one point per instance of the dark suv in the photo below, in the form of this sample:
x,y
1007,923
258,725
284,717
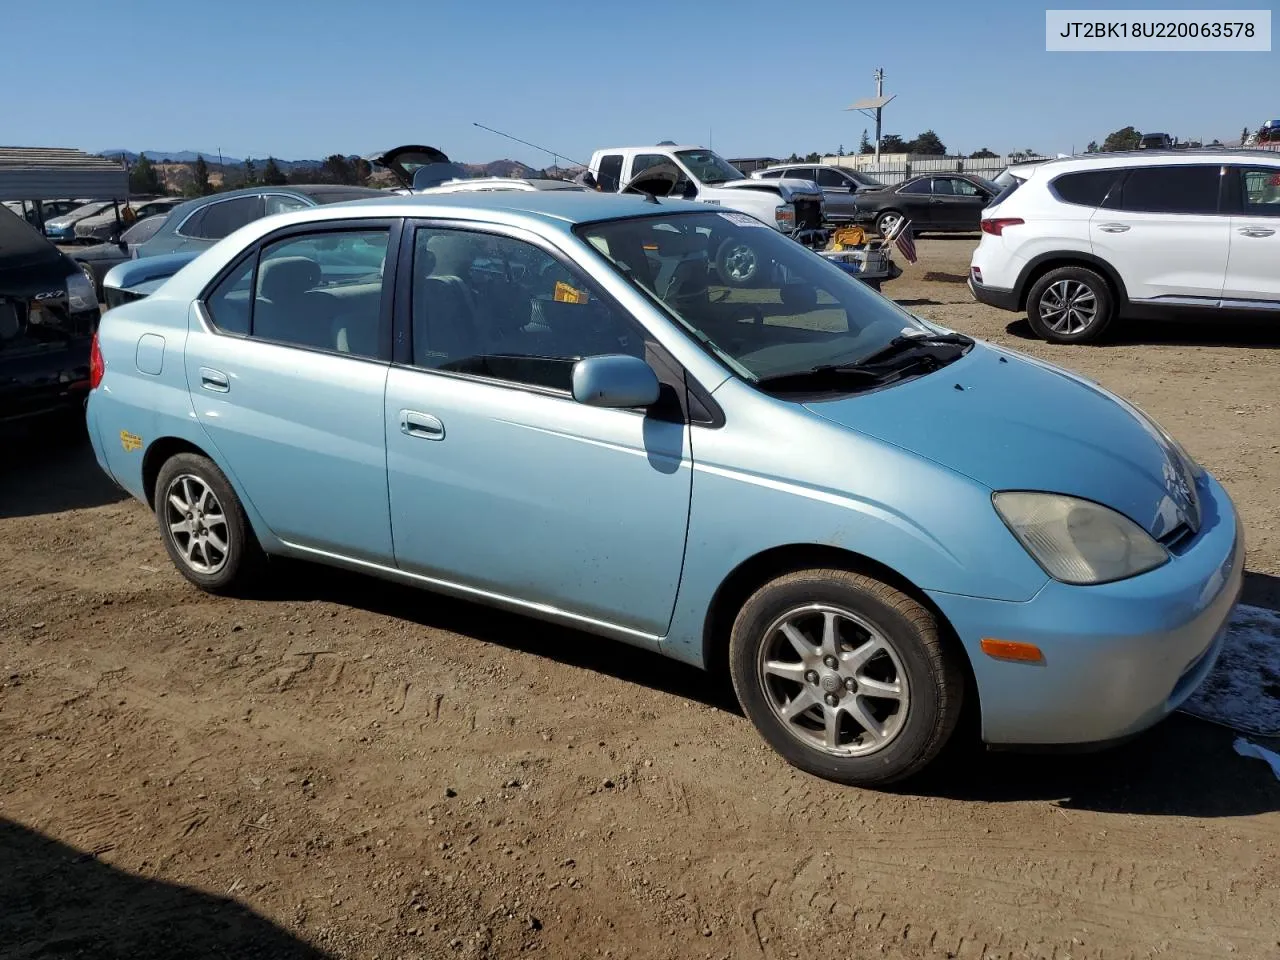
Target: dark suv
x,y
48,315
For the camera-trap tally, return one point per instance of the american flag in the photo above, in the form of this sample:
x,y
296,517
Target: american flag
x,y
905,241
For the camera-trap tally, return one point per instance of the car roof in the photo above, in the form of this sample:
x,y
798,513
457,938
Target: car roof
x,y
1150,158
552,206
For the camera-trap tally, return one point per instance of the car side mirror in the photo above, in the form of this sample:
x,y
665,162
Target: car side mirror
x,y
615,380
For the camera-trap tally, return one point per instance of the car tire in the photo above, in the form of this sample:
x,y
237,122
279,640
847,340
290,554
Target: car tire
x,y
882,640
738,264
886,221
1070,305
91,277
211,542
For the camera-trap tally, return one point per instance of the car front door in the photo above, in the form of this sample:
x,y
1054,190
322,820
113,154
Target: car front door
x,y
1161,230
837,193
1253,264
503,485
957,204
287,367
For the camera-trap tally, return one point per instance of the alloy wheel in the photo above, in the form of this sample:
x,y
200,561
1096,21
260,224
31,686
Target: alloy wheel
x,y
197,523
834,680
740,262
1068,306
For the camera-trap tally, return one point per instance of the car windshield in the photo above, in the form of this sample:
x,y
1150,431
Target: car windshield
x,y
762,303
709,167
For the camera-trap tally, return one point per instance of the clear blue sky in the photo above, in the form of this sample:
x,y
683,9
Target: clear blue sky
x,y
258,77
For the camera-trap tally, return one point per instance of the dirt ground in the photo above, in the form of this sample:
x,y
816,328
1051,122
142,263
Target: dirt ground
x,y
349,768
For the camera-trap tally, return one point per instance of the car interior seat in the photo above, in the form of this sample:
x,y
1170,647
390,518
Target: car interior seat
x,y
288,306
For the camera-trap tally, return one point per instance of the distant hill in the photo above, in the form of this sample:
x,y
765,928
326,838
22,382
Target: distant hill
x,y
190,156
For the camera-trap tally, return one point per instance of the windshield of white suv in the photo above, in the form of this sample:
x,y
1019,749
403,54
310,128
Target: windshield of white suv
x,y
709,167
775,313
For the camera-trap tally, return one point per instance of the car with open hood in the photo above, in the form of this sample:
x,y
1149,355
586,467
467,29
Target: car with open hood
x,y
48,314
546,401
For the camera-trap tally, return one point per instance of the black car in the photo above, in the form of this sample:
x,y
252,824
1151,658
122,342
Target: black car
x,y
48,316
97,259
934,203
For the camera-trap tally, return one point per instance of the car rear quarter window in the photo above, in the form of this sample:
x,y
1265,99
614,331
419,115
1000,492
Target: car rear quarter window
x,y
1184,189
917,186
1088,188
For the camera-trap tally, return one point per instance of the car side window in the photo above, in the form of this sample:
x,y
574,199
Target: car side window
x,y
831,178
230,303
1179,188
917,186
1260,191
963,188
222,218
501,308
610,174
643,161
773,174
322,291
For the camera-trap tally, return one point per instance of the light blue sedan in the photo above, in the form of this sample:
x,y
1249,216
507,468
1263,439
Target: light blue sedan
x,y
549,402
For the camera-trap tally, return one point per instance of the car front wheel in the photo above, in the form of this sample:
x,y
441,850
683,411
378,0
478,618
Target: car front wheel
x,y
203,525
845,676
1070,305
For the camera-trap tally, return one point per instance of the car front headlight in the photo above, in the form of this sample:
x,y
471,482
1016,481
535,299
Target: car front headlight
x,y
1078,541
785,216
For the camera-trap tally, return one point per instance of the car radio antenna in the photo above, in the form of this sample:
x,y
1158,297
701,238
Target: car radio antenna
x,y
555,157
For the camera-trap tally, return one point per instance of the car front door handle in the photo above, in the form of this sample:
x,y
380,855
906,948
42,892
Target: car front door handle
x,y
214,380
1113,227
1256,232
421,425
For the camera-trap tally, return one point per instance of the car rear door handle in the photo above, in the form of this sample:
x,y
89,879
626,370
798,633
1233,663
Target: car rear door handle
x,y
1256,232
214,380
421,425
1113,227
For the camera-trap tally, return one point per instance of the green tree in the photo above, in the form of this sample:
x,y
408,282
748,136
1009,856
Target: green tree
x,y
892,143
983,154
864,145
813,158
200,186
927,144
337,169
840,152
1244,135
144,177
250,173
1092,147
1126,138
272,175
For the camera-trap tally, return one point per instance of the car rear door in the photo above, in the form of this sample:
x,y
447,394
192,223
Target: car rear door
x,y
1163,231
1253,263
501,484
286,362
915,199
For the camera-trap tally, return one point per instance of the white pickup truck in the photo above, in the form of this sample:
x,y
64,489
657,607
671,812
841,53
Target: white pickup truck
x,y
795,207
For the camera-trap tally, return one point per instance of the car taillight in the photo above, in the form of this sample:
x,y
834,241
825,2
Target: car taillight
x,y
996,226
97,366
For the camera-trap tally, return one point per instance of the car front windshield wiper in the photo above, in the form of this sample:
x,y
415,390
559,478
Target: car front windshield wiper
x,y
826,376
904,345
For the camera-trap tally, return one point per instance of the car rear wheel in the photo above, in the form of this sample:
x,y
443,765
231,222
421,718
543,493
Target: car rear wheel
x,y
203,525
1070,305
845,676
89,275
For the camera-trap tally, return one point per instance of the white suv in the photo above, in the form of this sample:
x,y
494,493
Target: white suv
x,y
1085,239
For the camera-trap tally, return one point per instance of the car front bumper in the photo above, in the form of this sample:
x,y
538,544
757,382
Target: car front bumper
x,y
993,296
1118,657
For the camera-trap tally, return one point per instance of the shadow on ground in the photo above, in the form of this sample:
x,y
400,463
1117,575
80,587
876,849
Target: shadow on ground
x,y
56,901
1183,767
49,467
1211,331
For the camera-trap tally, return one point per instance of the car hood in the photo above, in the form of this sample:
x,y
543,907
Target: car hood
x,y
407,160
788,187
1013,423
101,251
